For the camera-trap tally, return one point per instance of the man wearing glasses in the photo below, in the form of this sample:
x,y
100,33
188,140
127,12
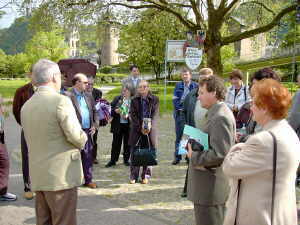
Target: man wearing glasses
x,y
97,95
86,113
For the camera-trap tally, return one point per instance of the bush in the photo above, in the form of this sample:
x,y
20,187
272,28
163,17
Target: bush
x,y
102,78
106,69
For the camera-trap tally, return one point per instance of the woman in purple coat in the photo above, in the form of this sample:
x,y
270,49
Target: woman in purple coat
x,y
144,105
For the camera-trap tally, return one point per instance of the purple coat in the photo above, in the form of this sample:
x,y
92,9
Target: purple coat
x,y
137,120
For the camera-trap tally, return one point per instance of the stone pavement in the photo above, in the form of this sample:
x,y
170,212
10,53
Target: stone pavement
x,y
92,208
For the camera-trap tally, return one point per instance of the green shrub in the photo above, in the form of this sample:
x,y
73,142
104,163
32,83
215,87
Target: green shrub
x,y
106,69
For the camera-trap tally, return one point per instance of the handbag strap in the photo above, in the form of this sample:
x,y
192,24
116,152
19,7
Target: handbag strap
x,y
138,141
274,175
273,182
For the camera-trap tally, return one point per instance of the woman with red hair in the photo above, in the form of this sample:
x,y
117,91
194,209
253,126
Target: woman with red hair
x,y
262,171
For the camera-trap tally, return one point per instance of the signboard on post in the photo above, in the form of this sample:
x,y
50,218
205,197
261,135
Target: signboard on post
x,y
193,57
174,51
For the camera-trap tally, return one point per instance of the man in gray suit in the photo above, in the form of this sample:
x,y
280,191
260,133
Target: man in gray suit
x,y
132,81
207,186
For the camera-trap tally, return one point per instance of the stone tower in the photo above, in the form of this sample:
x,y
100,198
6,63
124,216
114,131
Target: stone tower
x,y
73,43
109,55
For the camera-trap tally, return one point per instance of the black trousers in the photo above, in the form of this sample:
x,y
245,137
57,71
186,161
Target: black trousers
x,y
118,138
95,146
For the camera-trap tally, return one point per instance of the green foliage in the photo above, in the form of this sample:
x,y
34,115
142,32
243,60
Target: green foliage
x,y
13,39
13,65
106,69
144,40
48,45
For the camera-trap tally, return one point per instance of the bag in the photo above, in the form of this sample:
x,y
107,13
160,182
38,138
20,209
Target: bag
x,y
273,182
144,156
103,109
243,116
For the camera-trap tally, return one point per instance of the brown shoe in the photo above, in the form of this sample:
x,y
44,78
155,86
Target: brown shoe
x,y
91,185
145,181
28,195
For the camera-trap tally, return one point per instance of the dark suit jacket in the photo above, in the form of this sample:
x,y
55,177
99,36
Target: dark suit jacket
x,y
21,96
189,107
115,123
207,184
97,94
128,81
137,120
90,103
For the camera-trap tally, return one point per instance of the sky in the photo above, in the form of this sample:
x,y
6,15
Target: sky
x,y
9,17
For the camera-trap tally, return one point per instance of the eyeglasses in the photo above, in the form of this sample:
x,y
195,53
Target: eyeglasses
x,y
143,86
85,82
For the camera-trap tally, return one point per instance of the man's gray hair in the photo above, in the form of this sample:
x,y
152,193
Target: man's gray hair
x,y
44,71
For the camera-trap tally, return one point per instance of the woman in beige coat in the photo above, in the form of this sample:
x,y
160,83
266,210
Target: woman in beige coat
x,y
252,163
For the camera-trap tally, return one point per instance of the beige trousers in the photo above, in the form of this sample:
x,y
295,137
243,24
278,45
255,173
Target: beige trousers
x,y
56,207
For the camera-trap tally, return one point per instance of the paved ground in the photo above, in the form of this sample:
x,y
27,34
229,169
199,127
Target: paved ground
x,y
115,202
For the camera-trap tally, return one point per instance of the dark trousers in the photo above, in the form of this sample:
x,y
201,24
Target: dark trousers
x,y
25,163
56,207
186,180
179,126
209,215
87,158
95,146
118,138
4,167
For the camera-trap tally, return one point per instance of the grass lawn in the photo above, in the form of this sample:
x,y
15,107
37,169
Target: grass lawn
x,y
9,87
158,90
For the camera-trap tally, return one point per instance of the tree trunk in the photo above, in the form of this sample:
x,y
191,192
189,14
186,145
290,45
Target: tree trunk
x,y
214,59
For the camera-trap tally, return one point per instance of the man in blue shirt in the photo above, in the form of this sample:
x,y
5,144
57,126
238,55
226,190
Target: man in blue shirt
x,y
182,89
84,105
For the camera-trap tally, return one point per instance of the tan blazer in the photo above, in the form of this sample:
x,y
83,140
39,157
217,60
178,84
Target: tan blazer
x,y
54,137
207,184
253,162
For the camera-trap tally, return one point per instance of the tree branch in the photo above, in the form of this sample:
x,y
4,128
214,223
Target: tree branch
x,y
226,10
199,18
261,4
262,29
184,21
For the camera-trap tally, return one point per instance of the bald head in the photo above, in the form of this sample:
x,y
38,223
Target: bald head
x,y
80,82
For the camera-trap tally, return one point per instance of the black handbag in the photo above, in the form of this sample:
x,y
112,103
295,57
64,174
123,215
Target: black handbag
x,y
273,182
144,156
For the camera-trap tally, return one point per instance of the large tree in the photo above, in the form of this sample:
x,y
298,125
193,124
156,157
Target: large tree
x,y
143,41
210,16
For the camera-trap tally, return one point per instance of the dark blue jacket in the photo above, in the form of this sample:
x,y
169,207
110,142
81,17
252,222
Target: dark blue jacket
x,y
178,92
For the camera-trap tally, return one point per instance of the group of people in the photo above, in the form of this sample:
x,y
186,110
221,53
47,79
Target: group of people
x,y
242,178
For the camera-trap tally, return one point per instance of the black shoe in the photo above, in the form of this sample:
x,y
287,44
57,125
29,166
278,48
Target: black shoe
x,y
175,162
183,195
126,163
187,160
110,164
95,161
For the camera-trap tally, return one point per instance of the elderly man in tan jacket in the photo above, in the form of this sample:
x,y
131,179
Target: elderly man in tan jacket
x,y
54,137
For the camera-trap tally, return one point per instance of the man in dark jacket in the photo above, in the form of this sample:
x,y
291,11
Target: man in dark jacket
x,y
21,96
182,89
97,95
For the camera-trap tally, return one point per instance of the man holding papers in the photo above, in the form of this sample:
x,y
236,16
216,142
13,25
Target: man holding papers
x,y
207,185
